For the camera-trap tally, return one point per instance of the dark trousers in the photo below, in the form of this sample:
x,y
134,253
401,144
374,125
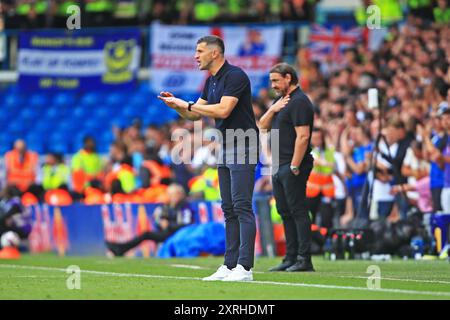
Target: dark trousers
x,y
290,196
384,209
236,182
316,204
436,197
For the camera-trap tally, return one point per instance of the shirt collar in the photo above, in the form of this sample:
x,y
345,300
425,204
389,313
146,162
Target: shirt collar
x,y
221,70
295,90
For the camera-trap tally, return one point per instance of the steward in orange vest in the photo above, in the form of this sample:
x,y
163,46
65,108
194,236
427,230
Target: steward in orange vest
x,y
21,166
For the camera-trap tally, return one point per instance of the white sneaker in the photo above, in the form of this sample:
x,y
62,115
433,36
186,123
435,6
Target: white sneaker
x,y
239,274
221,273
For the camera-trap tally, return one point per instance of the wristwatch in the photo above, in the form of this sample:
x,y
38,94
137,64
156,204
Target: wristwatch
x,y
295,169
190,104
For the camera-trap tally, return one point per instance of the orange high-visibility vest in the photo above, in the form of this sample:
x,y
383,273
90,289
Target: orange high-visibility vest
x,y
321,177
19,173
317,183
158,171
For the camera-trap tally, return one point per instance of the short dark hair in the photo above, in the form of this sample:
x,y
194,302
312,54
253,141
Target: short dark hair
x,y
214,40
284,69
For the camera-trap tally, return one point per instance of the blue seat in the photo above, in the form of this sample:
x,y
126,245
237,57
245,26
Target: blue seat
x,y
42,126
13,100
37,100
5,118
29,113
16,128
11,111
35,144
101,112
58,147
79,113
64,99
131,112
103,146
144,86
68,126
58,136
6,143
56,113
92,125
116,99
91,99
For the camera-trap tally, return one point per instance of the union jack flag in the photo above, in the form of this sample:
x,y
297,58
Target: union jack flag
x,y
332,41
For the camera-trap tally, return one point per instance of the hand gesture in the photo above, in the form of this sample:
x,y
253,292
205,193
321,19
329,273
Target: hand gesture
x,y
170,100
280,104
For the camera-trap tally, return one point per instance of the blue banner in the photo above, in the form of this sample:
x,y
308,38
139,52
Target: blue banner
x,y
78,61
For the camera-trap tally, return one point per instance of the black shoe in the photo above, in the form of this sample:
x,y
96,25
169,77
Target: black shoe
x,y
115,248
283,265
301,265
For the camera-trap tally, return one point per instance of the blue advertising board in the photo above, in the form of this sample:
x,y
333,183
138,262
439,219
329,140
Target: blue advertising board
x,y
60,60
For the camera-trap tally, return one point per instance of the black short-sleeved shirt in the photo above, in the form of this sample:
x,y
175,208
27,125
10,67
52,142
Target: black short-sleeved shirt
x,y
231,81
297,112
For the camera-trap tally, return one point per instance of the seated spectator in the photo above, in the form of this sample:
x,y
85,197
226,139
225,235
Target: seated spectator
x,y
122,178
87,166
21,167
206,185
55,174
153,170
169,218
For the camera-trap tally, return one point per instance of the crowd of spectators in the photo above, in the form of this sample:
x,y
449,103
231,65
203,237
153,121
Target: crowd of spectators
x,y
54,13
412,74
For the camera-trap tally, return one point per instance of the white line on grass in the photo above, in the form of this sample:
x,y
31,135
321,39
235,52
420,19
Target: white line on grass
x,y
398,279
307,285
188,266
325,274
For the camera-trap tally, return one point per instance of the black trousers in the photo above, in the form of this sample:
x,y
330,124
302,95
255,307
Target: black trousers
x,y
290,196
326,211
436,197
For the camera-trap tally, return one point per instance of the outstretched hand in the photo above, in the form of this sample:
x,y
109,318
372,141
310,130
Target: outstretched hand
x,y
170,100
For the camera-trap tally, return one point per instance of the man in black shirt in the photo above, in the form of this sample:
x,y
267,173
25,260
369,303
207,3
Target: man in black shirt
x,y
227,98
293,116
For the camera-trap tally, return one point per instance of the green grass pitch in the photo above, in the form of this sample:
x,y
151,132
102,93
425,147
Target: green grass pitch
x,y
44,276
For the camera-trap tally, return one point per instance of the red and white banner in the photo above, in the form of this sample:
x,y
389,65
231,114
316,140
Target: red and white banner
x,y
172,49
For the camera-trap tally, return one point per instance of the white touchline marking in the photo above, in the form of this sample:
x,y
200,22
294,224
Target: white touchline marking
x,y
290,284
325,274
192,266
188,266
398,279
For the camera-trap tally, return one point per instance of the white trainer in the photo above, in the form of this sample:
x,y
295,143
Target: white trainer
x,y
239,274
221,273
